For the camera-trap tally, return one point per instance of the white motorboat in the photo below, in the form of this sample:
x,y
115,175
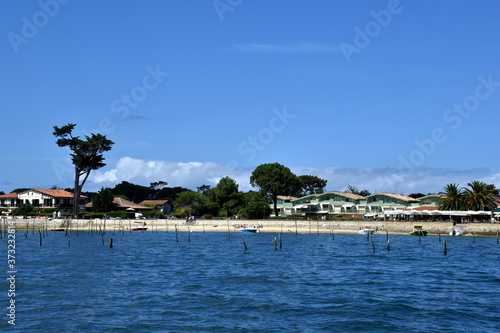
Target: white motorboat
x,y
366,231
456,232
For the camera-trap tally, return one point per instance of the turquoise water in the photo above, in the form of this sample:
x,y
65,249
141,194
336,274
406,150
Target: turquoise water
x,y
148,282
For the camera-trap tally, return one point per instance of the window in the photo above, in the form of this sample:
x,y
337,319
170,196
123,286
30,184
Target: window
x,y
387,200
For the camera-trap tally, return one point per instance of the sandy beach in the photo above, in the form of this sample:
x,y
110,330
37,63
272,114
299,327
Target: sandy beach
x,y
264,226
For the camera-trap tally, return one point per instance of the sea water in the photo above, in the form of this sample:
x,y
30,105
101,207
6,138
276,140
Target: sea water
x,y
209,282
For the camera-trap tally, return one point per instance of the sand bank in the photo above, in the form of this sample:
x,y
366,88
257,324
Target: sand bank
x,y
272,226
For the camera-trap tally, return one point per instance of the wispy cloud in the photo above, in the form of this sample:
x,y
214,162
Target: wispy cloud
x,y
194,174
284,48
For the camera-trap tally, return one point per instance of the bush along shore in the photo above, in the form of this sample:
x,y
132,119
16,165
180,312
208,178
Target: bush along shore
x,y
233,225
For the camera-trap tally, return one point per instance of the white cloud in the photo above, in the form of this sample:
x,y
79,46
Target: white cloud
x,y
185,174
194,174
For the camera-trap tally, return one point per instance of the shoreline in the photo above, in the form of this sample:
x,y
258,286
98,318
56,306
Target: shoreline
x,y
266,226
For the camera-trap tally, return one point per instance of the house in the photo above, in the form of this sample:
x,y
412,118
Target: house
x,y
121,204
335,202
381,202
322,204
163,205
284,204
9,200
41,198
428,202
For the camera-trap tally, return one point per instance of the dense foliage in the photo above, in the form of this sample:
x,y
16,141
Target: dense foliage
x,y
477,196
275,179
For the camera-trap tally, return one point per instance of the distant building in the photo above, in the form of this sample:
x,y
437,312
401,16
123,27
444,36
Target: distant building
x,y
163,205
41,198
121,204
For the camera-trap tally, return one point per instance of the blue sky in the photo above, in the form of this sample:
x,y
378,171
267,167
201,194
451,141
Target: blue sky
x,y
393,96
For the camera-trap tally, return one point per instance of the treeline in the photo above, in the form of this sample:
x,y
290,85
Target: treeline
x,y
272,180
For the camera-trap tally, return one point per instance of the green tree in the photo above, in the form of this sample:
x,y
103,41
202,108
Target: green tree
x,y
134,193
203,188
275,179
364,193
480,196
103,201
156,187
191,203
256,210
23,209
87,155
352,189
226,197
416,195
453,198
311,185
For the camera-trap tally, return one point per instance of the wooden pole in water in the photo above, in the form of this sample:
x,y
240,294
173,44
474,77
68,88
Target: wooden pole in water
x,y
445,250
388,245
244,244
474,238
333,235
296,232
203,225
111,243
176,234
281,242
497,236
386,235
274,243
40,233
189,234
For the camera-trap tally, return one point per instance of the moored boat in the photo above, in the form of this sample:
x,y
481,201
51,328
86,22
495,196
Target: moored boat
x,y
142,227
456,232
249,230
418,231
366,230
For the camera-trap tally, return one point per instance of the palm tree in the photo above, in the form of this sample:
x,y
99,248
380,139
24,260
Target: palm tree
x,y
480,196
352,189
453,198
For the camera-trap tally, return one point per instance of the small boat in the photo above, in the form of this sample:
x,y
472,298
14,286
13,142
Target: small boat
x,y
142,227
249,230
418,231
366,231
456,232
58,229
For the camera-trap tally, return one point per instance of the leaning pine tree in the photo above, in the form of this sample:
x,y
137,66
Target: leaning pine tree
x,y
86,156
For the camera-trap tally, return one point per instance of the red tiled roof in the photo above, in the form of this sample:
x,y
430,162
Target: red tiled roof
x,y
399,196
423,208
123,203
12,195
57,193
286,197
347,194
153,202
